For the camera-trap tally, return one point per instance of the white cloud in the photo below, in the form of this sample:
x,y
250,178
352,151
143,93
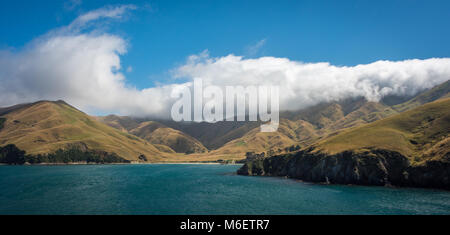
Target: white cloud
x,y
305,84
83,68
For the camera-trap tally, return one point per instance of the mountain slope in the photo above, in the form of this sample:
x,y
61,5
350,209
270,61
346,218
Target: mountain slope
x,y
257,141
213,135
309,125
44,127
306,126
157,133
289,133
435,93
367,113
122,123
409,133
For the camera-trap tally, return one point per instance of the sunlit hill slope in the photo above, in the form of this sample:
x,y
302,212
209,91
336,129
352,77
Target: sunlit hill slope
x,y
44,127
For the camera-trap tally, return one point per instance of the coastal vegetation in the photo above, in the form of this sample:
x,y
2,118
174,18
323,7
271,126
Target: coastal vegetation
x,y
10,154
2,120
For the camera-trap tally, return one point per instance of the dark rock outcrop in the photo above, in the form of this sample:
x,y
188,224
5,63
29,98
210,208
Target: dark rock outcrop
x,y
372,167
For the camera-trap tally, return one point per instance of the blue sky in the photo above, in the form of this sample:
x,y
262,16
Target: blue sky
x,y
127,57
161,34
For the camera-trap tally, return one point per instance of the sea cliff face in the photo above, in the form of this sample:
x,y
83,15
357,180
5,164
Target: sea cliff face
x,y
372,167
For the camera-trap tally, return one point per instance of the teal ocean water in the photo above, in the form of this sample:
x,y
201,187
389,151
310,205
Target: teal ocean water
x,y
195,189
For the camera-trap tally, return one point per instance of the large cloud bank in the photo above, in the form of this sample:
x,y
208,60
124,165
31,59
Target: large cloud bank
x,y
305,84
81,64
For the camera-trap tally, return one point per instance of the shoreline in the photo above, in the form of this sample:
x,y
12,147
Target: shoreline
x,y
134,163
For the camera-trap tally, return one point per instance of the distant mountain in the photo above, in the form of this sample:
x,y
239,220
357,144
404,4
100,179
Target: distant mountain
x,y
435,93
157,133
312,124
46,126
210,135
306,126
303,127
122,123
257,141
165,138
213,135
366,113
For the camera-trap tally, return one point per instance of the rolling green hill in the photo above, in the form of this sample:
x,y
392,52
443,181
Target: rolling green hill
x,y
45,126
412,133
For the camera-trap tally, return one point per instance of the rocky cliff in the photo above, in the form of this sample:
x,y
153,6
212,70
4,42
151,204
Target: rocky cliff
x,y
371,167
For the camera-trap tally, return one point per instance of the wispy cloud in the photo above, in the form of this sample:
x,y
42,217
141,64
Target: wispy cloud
x,y
255,48
70,5
111,12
